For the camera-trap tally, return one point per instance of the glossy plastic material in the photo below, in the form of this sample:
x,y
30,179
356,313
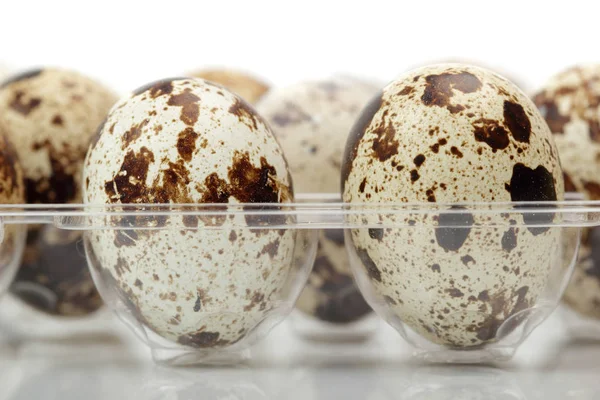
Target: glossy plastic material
x,y
313,329
331,308
465,283
300,223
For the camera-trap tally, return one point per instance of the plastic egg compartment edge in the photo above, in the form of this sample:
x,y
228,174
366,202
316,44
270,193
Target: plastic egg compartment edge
x,y
316,212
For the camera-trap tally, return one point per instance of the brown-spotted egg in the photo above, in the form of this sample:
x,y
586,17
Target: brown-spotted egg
x,y
51,116
570,103
453,133
12,191
189,141
311,121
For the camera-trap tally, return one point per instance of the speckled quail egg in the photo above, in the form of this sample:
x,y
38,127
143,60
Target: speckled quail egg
x,y
249,87
311,121
453,133
188,141
51,116
570,103
12,191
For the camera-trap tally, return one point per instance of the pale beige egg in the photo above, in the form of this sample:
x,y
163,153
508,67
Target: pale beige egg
x,y
51,115
182,141
453,133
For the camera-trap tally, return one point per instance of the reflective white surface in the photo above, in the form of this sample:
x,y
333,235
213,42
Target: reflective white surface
x,y
101,360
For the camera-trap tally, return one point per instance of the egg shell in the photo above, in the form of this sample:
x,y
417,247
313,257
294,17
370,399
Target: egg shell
x,y
570,103
189,141
506,71
51,115
249,87
453,133
311,121
12,191
12,188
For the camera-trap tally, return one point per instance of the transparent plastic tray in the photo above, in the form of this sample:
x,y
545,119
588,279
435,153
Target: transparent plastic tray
x,y
201,283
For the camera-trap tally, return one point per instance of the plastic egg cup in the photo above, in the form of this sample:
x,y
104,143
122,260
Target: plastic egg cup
x,y
313,329
43,302
496,331
344,317
561,221
164,349
54,278
580,310
12,244
347,329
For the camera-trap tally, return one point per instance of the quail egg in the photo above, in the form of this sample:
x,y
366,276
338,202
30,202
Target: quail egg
x,y
453,133
12,191
51,115
249,87
187,140
311,120
570,103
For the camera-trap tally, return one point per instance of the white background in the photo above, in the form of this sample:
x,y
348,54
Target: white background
x,y
127,43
